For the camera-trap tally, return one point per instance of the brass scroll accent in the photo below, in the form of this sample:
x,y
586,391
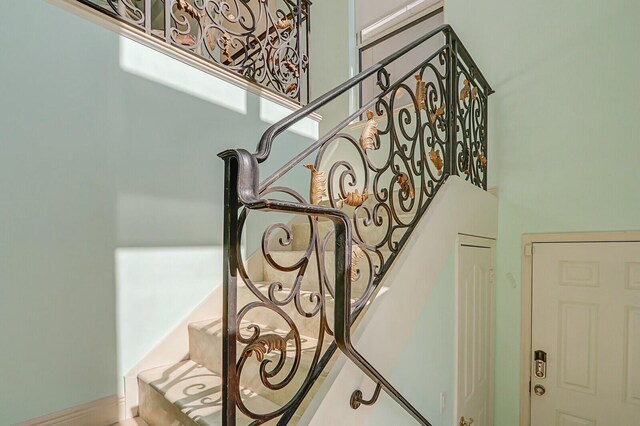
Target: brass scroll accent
x,y
185,39
283,24
464,422
356,256
482,158
466,89
225,44
435,158
185,7
368,136
437,113
291,88
268,343
318,185
291,67
354,199
405,185
421,92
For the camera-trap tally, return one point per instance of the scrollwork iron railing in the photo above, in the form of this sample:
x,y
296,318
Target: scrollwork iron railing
x,y
265,41
421,127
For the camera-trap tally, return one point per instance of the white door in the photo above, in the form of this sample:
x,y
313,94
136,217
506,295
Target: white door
x,y
586,320
475,329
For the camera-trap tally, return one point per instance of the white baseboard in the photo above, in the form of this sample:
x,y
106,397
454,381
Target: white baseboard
x,y
103,412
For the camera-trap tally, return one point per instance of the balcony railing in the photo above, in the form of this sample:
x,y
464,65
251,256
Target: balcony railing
x,y
264,41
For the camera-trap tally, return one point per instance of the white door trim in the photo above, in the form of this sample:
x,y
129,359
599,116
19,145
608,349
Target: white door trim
x,y
528,244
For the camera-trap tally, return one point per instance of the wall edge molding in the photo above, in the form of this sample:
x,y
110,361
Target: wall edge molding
x,y
104,411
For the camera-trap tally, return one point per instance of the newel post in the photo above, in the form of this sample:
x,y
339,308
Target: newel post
x,y
229,305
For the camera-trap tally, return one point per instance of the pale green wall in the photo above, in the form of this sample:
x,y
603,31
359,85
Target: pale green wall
x,y
426,366
564,133
93,159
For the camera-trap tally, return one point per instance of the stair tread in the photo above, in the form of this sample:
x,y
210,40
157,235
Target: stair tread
x,y
196,391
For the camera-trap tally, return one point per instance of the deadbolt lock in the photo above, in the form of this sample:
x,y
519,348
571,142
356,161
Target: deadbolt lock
x,y
540,364
464,422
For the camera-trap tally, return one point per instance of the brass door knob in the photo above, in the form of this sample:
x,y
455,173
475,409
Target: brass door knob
x,y
539,390
464,422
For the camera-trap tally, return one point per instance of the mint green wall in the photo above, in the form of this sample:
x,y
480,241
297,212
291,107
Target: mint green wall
x,y
564,133
333,53
426,365
93,159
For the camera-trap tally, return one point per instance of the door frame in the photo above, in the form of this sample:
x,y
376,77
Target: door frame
x,y
528,243
489,243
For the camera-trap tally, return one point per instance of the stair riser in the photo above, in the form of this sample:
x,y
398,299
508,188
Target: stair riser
x,y
306,326
157,411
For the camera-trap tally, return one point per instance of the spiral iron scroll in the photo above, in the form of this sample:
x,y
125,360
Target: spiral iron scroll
x,y
265,41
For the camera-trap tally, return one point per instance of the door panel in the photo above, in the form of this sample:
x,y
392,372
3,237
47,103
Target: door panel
x,y
475,319
586,318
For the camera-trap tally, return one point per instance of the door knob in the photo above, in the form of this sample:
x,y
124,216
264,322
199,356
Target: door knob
x,y
464,422
539,390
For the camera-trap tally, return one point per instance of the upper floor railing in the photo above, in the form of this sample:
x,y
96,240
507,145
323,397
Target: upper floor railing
x,y
264,41
423,125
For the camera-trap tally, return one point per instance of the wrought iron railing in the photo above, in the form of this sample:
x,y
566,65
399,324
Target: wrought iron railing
x,y
265,41
421,127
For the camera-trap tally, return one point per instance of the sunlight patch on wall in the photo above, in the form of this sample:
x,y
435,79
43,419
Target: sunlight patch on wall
x,y
271,112
148,63
156,288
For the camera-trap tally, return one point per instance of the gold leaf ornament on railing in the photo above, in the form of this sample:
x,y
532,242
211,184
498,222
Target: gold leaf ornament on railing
x,y
268,343
354,199
437,113
225,44
291,67
318,185
435,158
481,158
405,185
466,89
291,88
283,24
184,6
421,92
368,136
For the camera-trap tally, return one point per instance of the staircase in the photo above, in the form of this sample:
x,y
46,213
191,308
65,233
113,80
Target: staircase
x,y
189,392
334,236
